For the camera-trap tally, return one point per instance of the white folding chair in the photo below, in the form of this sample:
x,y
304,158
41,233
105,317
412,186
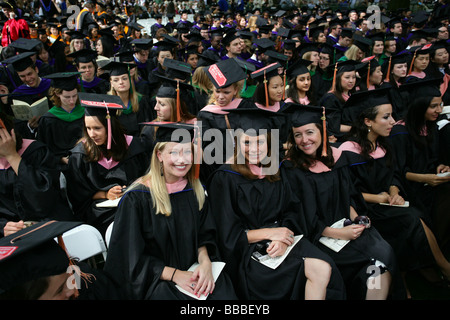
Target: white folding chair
x,y
108,233
84,242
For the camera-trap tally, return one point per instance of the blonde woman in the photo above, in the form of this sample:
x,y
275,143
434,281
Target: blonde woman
x,y
162,227
138,108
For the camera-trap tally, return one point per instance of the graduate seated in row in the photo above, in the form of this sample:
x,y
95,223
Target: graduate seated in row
x,y
29,182
103,162
163,227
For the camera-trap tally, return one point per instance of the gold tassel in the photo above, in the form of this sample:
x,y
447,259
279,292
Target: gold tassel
x,y
324,124
178,102
333,85
265,88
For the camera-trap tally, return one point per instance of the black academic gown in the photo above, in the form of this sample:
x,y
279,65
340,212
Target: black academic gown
x,y
328,199
58,134
400,102
399,226
213,120
131,121
84,179
143,243
411,158
239,204
34,194
97,85
334,109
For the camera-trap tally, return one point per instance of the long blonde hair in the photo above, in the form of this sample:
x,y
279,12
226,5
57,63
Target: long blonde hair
x,y
157,184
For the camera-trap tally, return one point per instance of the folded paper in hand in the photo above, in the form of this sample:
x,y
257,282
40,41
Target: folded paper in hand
x,y
274,262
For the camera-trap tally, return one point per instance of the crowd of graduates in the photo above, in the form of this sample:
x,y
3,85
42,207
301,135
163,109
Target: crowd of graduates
x,y
314,134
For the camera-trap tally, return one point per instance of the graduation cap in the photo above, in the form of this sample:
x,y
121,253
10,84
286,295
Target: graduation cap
x,y
224,73
84,55
21,61
264,74
402,57
76,35
167,131
32,253
367,66
308,47
165,45
136,26
347,33
417,51
125,56
300,115
177,69
194,37
9,4
266,29
64,80
314,32
204,61
264,44
275,56
141,44
299,67
246,35
117,68
422,88
362,43
102,106
190,49
289,44
246,66
25,45
340,67
256,119
229,36
417,35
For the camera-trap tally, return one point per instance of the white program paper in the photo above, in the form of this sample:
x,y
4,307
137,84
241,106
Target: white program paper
x,y
335,244
273,263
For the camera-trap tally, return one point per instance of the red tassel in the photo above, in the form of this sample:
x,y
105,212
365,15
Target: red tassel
x,y
325,138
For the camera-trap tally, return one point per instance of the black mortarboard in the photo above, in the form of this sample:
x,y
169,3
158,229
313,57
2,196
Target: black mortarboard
x,y
173,131
117,68
419,19
346,66
194,37
21,61
32,253
10,4
177,69
362,43
224,73
275,56
190,49
165,45
422,88
246,66
25,45
266,29
417,35
279,13
308,47
168,87
300,115
266,72
204,60
440,44
76,35
314,32
246,35
362,100
229,36
64,80
299,67
84,55
136,26
289,44
126,56
367,66
346,33
256,119
141,44
264,44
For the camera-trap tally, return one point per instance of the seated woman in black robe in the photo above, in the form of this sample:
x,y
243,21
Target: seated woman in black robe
x,y
62,126
257,214
333,204
137,107
103,162
163,228
415,142
228,78
344,82
374,174
419,63
300,87
29,182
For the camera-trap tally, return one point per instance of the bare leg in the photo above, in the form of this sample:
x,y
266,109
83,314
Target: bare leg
x,y
380,290
441,261
318,273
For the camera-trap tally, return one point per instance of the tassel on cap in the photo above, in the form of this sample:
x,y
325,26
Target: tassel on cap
x,y
333,85
266,90
178,102
325,138
389,69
